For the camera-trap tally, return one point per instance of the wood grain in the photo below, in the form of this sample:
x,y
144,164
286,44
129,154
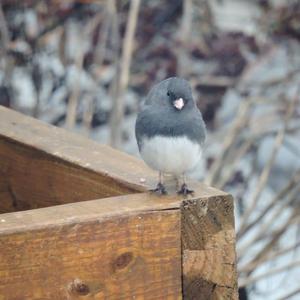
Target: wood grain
x,y
75,149
33,179
92,250
208,248
42,165
135,246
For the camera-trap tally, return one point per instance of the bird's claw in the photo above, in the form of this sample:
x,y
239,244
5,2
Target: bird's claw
x,y
184,190
160,189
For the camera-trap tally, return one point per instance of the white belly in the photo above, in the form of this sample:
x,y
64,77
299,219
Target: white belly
x,y
175,155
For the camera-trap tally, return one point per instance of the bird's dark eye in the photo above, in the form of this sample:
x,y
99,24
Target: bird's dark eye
x,y
168,93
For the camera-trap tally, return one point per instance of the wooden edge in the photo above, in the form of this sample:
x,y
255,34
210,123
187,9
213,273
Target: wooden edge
x,y
75,149
83,212
208,248
97,209
91,251
31,178
207,217
207,232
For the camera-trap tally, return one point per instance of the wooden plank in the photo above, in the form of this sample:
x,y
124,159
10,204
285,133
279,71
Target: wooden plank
x,y
116,248
207,233
208,248
56,215
82,211
75,149
35,179
6,200
42,165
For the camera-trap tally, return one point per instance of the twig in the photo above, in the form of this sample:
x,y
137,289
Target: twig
x,y
110,24
5,44
274,82
216,81
276,237
73,100
118,103
267,169
100,47
57,23
228,141
260,235
36,76
288,187
115,41
252,266
236,157
88,114
115,35
184,35
247,281
3,30
289,295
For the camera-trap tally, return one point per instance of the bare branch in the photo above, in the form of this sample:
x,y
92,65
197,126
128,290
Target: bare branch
x,y
289,186
267,169
235,158
118,104
108,19
291,294
247,281
88,114
3,30
73,100
263,253
239,123
264,227
272,255
184,35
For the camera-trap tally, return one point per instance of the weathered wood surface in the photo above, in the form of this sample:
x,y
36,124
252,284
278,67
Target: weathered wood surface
x,y
114,248
74,251
208,248
42,165
51,247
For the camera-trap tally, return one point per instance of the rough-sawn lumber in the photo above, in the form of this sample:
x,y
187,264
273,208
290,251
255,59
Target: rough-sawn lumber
x,y
77,223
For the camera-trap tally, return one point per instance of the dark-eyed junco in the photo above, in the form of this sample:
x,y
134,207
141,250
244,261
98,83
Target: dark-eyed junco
x,y
170,131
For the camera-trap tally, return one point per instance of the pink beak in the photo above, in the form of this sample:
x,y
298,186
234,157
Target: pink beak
x,y
179,103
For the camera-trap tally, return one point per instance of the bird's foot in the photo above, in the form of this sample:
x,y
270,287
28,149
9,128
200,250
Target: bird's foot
x,y
160,189
184,190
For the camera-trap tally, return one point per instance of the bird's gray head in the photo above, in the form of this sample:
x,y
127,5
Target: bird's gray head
x,y
179,93
173,93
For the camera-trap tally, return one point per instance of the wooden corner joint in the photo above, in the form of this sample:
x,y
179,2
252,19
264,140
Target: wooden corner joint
x,y
208,248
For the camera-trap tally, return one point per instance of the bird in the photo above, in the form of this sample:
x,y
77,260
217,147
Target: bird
x,y
170,131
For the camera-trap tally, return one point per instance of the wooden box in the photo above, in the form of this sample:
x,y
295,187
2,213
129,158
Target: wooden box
x,y
77,222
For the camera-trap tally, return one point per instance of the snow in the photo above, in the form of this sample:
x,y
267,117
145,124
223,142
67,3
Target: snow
x,y
23,86
229,15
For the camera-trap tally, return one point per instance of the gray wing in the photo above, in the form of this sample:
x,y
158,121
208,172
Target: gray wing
x,y
198,128
142,125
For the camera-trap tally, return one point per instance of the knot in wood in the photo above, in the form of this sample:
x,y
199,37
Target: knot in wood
x,y
123,260
78,287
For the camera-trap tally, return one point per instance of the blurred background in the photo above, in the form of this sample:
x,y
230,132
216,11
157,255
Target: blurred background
x,y
87,65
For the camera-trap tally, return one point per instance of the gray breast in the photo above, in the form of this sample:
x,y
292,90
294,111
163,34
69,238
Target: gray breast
x,y
153,121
